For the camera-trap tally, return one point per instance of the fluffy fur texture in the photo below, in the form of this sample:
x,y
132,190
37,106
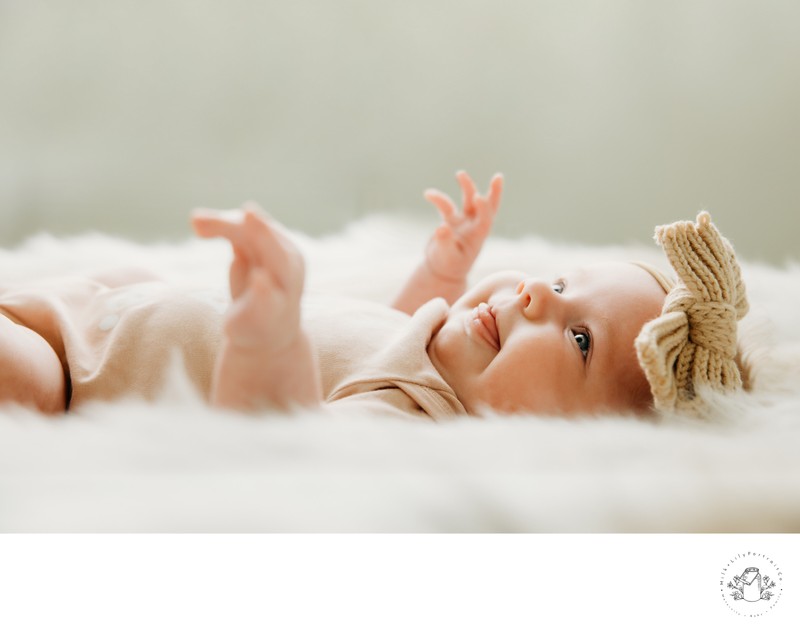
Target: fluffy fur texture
x,y
176,465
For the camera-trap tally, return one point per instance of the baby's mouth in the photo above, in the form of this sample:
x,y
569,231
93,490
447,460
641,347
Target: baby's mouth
x,y
485,324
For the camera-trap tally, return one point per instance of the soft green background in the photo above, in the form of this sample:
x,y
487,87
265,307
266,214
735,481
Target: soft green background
x,y
607,117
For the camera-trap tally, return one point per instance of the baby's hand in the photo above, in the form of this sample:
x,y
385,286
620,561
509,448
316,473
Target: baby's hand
x,y
266,278
458,240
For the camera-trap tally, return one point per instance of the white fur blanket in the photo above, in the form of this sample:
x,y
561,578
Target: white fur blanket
x,y
177,465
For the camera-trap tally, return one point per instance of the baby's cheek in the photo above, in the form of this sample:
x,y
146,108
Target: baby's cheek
x,y
491,286
526,377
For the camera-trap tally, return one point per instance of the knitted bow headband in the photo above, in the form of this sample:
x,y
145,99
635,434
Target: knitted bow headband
x,y
693,343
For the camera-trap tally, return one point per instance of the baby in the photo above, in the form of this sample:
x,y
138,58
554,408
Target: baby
x,y
615,337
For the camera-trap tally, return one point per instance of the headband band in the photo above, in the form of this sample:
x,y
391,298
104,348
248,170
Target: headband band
x,y
662,279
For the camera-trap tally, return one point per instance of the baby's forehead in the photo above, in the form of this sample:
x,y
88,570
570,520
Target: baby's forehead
x,y
609,273
603,266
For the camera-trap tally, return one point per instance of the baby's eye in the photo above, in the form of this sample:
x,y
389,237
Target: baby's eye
x,y
584,341
558,287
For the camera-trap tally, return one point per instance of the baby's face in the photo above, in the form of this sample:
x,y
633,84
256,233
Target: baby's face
x,y
560,346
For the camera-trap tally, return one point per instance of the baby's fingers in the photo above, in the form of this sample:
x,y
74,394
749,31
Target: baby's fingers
x,y
484,214
443,203
495,191
469,190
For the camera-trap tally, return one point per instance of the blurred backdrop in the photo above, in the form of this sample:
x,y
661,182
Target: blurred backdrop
x,y
607,116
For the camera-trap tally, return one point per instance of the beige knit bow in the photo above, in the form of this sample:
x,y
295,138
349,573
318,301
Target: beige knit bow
x,y
693,343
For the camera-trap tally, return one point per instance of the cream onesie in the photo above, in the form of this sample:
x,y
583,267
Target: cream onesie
x,y
118,341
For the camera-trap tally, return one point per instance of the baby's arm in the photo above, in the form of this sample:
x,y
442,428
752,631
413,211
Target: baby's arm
x,y
454,245
266,358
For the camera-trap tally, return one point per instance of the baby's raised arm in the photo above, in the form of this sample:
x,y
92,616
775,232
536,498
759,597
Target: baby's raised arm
x,y
266,358
454,245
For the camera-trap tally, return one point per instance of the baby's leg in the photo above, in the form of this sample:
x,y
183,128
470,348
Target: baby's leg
x,y
266,358
258,377
30,371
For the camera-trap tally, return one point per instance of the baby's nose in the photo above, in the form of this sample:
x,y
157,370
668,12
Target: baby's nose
x,y
538,298
524,296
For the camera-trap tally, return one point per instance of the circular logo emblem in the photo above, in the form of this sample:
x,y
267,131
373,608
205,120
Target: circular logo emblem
x,y
751,584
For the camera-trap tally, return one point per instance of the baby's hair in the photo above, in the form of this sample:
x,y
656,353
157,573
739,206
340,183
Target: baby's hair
x,y
693,344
